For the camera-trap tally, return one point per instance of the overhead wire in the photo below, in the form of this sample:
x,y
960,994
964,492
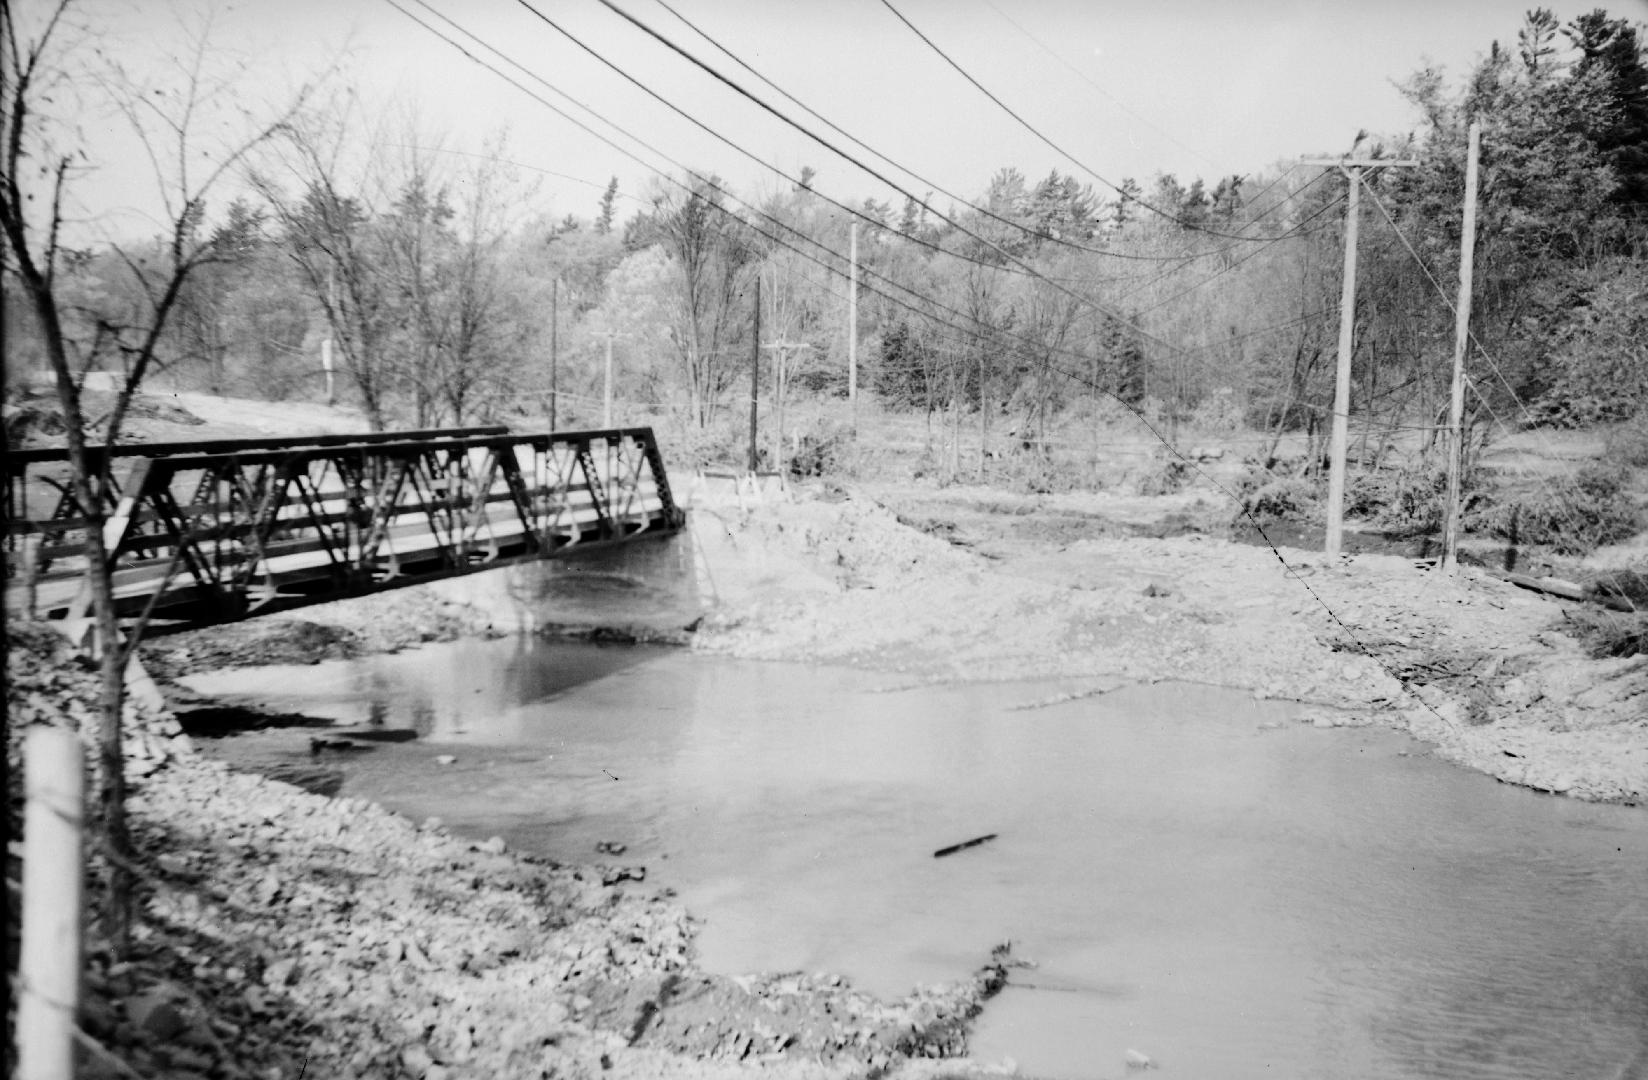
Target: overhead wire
x,y
964,73
1564,509
755,99
925,313
924,181
1084,77
672,46
1186,461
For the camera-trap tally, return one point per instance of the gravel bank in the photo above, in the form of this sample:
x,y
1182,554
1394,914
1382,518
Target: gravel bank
x,y
960,585
286,934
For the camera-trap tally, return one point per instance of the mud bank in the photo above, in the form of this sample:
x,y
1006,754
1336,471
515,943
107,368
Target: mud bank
x,y
959,584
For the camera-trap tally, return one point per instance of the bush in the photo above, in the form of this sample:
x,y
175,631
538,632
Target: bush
x,y
1218,412
1608,633
1628,444
1574,519
1623,587
1412,501
1170,475
1266,496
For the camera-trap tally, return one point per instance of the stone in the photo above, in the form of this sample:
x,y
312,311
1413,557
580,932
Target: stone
x,y
445,759
280,973
154,1014
417,1059
493,846
1137,1060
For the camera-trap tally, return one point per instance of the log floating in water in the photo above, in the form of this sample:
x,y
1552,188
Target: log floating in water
x,y
963,846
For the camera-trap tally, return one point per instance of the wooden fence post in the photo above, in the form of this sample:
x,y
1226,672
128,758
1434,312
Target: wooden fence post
x,y
49,964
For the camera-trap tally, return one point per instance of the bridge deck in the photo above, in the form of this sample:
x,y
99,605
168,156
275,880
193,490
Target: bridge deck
x,y
203,533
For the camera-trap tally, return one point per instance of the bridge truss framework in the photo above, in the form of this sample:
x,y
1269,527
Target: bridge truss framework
x,y
211,532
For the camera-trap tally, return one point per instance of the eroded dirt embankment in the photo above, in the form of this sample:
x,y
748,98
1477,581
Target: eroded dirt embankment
x,y
954,585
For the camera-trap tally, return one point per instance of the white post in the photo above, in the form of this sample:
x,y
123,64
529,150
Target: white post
x,y
49,963
326,366
1461,345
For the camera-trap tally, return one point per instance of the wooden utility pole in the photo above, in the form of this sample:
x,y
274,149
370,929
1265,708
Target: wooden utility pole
x,y
780,379
755,370
1352,168
326,346
1461,344
852,329
554,346
606,389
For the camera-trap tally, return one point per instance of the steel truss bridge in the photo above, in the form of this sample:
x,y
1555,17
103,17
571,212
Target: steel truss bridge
x,y
209,532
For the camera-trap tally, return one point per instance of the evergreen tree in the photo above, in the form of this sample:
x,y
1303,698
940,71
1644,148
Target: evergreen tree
x,y
603,222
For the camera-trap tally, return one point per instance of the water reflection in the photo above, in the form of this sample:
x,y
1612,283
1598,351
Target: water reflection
x,y
1233,900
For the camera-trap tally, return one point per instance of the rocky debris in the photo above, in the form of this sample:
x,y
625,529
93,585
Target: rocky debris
x,y
378,623
283,933
797,1014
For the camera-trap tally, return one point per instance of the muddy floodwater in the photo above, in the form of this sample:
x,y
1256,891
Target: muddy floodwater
x,y
1198,877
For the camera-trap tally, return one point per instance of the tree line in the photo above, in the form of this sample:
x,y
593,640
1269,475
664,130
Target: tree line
x,y
446,293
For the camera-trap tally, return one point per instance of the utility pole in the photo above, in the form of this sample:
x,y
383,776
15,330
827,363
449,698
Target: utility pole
x,y
326,346
554,345
755,370
606,390
852,330
780,378
1461,344
1352,168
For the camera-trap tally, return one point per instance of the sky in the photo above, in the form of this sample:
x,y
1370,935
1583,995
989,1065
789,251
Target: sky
x,y
1123,89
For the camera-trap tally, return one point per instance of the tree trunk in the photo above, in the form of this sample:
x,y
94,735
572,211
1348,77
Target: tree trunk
x,y
111,786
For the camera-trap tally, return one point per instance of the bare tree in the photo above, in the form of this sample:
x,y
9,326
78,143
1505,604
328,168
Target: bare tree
x,y
329,226
711,249
57,64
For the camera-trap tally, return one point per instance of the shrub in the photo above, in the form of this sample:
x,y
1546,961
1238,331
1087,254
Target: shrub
x,y
1413,501
1219,411
1267,496
1170,475
1628,444
1623,587
1610,633
1574,519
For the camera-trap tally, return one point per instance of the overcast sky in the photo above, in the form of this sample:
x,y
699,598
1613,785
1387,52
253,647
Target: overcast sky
x,y
1128,88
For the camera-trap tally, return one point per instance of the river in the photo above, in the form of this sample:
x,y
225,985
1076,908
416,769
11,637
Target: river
x,y
1197,876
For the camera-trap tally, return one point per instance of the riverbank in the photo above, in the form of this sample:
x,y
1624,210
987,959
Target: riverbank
x,y
951,584
284,927
283,933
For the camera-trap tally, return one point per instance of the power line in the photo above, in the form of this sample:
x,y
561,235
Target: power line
x,y
743,92
963,72
1186,461
1227,269
1026,268
985,211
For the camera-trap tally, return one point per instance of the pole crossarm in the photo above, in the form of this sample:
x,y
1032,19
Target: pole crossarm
x,y
197,537
1361,163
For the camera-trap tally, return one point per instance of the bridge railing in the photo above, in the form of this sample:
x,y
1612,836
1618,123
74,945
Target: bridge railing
x,y
211,533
